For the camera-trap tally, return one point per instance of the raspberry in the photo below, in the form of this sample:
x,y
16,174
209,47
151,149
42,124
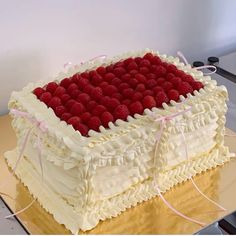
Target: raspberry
x,y
123,86
121,112
96,93
171,68
170,76
77,108
109,68
109,90
126,77
72,87
197,85
160,71
46,97
127,93
151,83
167,86
140,87
65,83
160,98
180,73
104,100
136,107
176,81
74,121
160,81
83,129
92,73
75,93
143,70
112,104
98,110
148,92
64,98
137,96
133,83
54,102
118,96
103,85
155,60
96,80
66,116
145,63
70,103
138,60
185,88
94,123
84,75
133,73
85,117
148,102
119,71
75,78
91,105
60,110
82,82
109,76
119,64
132,66
165,64
51,87
148,56
128,61
83,98
173,95
188,78
116,82
59,91
38,92
141,78
126,102
88,89
101,70
151,76
157,89
106,117
154,68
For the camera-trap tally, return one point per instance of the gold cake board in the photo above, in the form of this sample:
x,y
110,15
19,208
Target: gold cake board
x,y
151,217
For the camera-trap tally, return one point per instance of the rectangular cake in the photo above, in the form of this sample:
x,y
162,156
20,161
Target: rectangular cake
x,y
110,131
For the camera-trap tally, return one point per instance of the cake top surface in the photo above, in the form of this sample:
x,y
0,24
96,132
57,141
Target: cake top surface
x,y
96,97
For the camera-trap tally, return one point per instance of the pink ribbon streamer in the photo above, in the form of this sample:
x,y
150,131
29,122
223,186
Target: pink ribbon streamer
x,y
43,127
181,55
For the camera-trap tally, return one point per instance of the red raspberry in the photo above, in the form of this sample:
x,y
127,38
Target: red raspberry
x,y
38,92
77,108
83,129
119,64
121,112
126,102
155,60
88,89
160,71
160,81
171,68
65,97
118,96
119,71
160,98
188,78
133,73
167,86
116,82
109,76
75,78
176,81
110,68
92,73
83,98
148,92
127,93
98,110
173,95
157,89
94,123
123,86
154,68
59,91
197,85
138,60
104,100
96,80
141,78
143,70
66,116
133,83
85,117
185,88
145,63
137,96
140,88
151,83
170,76
165,64
103,85
82,82
180,73
106,117
70,103
90,106
128,61
136,107
101,70
85,75
74,121
54,102
46,97
148,102
96,93
112,104
132,66
109,90
151,76
148,56
126,77
60,110
72,87
51,87
65,83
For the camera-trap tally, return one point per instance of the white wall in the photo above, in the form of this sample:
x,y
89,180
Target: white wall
x,y
38,37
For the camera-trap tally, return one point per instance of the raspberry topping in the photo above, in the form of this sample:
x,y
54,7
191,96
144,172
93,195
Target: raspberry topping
x,y
106,117
121,112
148,102
94,123
38,92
